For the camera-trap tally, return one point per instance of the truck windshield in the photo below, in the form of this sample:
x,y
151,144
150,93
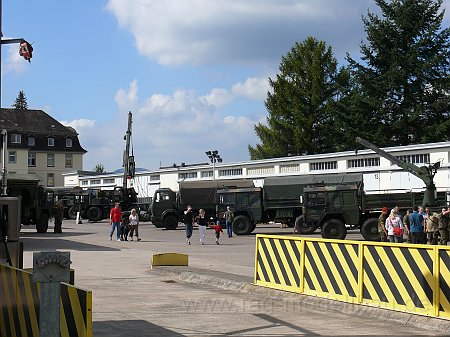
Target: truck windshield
x,y
316,198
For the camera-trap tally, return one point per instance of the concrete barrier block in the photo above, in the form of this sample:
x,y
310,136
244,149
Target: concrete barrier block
x,y
169,259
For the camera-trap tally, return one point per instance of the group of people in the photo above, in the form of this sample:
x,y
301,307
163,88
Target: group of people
x,y
417,225
123,230
203,222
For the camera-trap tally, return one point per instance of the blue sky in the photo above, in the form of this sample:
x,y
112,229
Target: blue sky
x,y
193,72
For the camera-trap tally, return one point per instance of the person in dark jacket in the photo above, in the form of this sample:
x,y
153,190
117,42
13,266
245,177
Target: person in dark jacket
x,y
58,214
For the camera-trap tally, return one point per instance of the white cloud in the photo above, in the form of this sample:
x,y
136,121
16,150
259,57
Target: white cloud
x,y
217,31
253,88
14,63
218,97
126,100
167,128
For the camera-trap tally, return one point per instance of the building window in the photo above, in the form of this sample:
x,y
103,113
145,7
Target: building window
x,y
16,138
68,142
50,180
50,160
187,175
155,177
109,181
31,159
85,182
206,174
323,165
230,172
51,141
363,162
289,168
95,182
69,158
260,170
423,158
12,157
31,141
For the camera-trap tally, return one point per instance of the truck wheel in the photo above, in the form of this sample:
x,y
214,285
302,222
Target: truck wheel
x,y
303,227
334,229
42,224
94,213
242,225
170,222
73,212
369,230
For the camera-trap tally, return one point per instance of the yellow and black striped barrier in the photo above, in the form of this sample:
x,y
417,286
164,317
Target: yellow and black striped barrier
x,y
19,301
402,277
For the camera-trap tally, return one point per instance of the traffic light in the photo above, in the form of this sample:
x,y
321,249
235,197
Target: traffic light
x,y
26,50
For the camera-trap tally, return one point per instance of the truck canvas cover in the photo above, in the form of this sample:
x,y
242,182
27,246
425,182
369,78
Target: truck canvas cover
x,y
201,194
286,191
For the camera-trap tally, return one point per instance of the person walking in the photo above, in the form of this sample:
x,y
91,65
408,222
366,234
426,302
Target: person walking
x,y
188,223
134,224
416,226
202,222
394,227
229,217
217,229
58,214
381,223
115,218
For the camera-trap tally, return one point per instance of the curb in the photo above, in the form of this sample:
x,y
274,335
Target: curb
x,y
245,284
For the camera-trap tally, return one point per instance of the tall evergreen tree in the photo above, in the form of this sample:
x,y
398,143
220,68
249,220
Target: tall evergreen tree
x,y
403,79
21,102
301,104
99,168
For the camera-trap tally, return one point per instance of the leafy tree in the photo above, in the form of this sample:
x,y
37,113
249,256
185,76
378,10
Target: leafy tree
x,y
403,81
21,102
302,103
99,168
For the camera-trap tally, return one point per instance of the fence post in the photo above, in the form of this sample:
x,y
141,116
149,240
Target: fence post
x,y
49,269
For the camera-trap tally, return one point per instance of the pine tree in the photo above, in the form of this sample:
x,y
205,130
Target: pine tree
x,y
403,81
21,102
99,168
302,103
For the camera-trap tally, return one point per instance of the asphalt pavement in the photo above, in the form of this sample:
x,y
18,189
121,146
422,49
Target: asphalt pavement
x,y
213,296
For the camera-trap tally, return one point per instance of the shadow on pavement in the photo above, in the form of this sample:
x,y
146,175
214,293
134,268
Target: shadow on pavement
x,y
32,243
130,328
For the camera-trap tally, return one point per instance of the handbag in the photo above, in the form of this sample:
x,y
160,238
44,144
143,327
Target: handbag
x,y
397,230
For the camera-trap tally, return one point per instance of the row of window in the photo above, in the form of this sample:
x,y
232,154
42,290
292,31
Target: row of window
x,y
31,141
12,159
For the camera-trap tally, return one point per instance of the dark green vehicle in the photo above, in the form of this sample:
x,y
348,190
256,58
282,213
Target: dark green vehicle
x,y
36,203
279,200
338,208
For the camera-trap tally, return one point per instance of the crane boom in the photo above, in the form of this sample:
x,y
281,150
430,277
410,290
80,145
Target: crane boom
x,y
425,173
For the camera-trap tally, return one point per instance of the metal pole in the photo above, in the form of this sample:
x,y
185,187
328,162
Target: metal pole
x,y
4,158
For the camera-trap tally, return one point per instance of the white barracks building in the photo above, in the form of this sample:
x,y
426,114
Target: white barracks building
x,y
378,172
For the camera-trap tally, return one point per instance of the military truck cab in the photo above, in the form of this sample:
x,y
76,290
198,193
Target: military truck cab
x,y
164,211
246,204
333,208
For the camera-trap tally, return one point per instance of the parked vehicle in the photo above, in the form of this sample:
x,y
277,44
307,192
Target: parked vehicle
x,y
338,208
168,206
278,200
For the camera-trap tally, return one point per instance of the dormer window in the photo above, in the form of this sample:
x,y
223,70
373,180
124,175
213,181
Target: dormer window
x,y
68,142
31,141
16,138
51,141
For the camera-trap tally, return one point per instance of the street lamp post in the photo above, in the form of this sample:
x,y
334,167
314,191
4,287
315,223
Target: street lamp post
x,y
214,157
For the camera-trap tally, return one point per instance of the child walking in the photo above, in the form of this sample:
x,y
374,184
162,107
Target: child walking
x,y
218,229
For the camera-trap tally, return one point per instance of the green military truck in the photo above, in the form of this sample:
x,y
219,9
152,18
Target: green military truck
x,y
280,200
36,203
337,208
168,206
